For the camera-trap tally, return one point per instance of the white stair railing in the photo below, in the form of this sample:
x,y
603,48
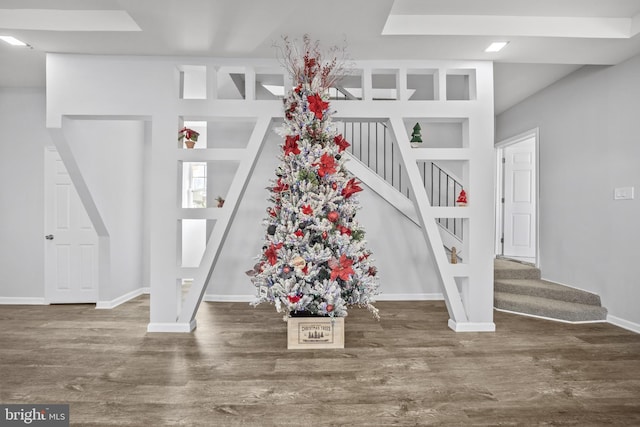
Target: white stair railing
x,y
373,147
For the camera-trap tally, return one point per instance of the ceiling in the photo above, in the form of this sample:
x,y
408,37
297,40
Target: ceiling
x,y
548,39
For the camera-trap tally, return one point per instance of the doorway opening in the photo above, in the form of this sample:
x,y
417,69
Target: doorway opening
x,y
517,198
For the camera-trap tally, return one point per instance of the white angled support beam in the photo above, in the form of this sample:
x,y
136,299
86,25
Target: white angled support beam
x,y
427,217
221,229
64,149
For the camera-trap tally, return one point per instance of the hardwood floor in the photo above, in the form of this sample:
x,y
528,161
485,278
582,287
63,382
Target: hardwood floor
x,y
407,369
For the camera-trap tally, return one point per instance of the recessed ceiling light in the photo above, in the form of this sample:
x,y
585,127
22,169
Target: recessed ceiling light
x,y
13,41
496,46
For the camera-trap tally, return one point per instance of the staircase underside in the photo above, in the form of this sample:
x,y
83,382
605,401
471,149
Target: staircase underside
x,y
519,289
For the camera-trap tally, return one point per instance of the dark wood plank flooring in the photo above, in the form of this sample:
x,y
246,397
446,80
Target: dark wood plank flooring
x,y
407,369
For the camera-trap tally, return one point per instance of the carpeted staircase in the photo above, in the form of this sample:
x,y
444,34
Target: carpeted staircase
x,y
518,288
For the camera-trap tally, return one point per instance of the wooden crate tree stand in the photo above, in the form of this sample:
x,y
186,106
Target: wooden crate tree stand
x,y
315,332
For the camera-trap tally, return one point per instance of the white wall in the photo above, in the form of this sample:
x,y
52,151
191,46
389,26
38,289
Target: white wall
x,y
22,141
589,143
405,265
246,234
400,252
110,157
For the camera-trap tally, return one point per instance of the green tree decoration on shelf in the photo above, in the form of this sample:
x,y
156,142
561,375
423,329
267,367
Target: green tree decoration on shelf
x,y
314,259
416,138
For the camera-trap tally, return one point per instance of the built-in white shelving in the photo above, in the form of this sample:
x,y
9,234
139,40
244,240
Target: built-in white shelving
x,y
170,91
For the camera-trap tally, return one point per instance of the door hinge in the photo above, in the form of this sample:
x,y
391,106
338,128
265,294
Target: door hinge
x,y
502,239
504,160
502,200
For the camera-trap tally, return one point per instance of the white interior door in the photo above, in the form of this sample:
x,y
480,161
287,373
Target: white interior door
x,y
71,243
520,200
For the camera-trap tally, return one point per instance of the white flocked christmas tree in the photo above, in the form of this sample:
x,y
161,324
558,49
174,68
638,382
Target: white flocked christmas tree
x,y
314,260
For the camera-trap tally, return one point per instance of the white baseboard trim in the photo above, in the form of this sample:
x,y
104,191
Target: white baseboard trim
x,y
381,297
106,305
624,324
578,322
472,326
409,297
229,298
172,327
570,286
22,301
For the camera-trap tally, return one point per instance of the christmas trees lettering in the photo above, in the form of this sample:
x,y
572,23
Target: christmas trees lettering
x,y
315,335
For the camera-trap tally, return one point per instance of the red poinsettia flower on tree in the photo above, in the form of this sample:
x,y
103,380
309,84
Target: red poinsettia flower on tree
x,y
341,268
280,186
293,298
291,145
317,105
351,188
299,233
341,143
327,165
272,253
307,210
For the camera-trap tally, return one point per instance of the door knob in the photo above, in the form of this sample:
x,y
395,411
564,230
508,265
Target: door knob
x,y
49,237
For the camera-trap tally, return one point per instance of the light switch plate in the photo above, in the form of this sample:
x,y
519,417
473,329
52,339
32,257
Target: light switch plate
x,y
623,193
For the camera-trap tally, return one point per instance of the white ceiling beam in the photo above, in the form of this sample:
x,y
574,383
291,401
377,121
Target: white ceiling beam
x,y
510,26
67,20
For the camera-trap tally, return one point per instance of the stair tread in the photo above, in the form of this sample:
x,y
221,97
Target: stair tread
x,y
550,308
547,289
506,269
504,264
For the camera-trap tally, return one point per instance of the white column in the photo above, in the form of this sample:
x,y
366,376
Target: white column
x,y
250,84
164,225
212,82
441,94
481,197
401,84
367,84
